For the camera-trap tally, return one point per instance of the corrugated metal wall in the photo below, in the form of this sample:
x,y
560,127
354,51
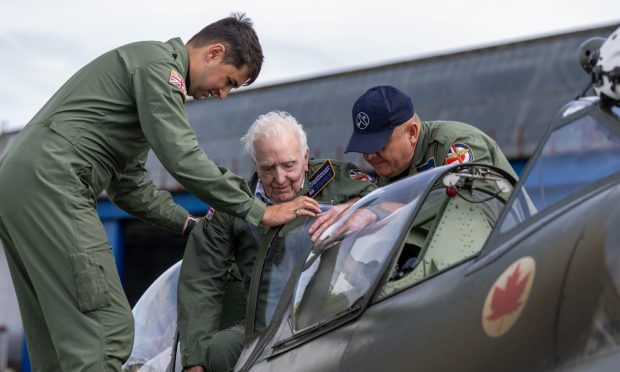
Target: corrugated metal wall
x,y
509,91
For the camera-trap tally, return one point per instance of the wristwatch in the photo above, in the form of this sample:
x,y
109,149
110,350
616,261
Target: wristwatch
x,y
191,223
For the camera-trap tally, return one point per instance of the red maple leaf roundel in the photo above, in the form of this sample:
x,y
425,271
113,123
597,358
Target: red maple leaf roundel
x,y
506,300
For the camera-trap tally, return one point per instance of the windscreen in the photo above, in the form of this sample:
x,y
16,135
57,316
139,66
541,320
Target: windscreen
x,y
573,157
346,261
292,246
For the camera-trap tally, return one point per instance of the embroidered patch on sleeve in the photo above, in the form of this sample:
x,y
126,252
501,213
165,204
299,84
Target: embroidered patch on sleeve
x,y
459,153
177,80
210,214
360,175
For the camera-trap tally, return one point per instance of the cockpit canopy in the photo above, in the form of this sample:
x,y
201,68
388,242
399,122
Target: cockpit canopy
x,y
340,270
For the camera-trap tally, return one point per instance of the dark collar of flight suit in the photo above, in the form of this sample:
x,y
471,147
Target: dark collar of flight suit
x,y
179,51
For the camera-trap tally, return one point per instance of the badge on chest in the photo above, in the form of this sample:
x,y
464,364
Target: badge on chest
x,y
320,178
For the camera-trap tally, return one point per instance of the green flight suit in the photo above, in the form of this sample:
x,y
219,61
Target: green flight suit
x,y
442,142
93,135
209,254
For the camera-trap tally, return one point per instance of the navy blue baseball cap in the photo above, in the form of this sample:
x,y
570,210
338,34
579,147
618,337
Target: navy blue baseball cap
x,y
375,115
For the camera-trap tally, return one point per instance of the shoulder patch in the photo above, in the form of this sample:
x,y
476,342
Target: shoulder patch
x,y
360,175
177,80
430,164
319,179
210,214
459,153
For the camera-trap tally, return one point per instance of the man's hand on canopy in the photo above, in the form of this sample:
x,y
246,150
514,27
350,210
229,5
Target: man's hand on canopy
x,y
327,218
357,221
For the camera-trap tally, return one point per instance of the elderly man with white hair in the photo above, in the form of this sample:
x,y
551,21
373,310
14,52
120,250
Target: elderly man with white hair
x,y
278,146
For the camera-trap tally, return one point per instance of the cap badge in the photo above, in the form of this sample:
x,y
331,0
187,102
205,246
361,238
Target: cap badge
x,y
362,120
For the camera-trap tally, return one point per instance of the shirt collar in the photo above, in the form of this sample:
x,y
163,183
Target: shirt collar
x,y
262,195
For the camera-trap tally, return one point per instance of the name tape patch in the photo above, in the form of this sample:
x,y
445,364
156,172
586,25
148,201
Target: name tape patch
x,y
319,179
430,164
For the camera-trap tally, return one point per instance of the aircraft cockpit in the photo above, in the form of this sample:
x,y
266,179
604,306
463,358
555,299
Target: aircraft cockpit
x,y
420,227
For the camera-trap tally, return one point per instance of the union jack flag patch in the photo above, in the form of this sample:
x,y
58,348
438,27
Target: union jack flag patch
x,y
459,153
177,80
210,214
360,175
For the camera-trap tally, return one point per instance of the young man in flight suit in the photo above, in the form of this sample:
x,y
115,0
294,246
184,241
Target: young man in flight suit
x,y
93,135
278,146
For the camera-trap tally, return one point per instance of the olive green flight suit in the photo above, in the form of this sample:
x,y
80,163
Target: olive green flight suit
x,y
440,142
209,254
94,135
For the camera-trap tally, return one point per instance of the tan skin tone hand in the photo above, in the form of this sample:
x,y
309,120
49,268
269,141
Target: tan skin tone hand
x,y
279,214
195,369
326,219
356,222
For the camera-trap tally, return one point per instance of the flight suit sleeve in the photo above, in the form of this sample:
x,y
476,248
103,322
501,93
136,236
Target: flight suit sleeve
x,y
483,150
477,147
166,127
134,193
352,182
202,283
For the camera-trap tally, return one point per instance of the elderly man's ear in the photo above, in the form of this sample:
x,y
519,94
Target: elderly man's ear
x,y
306,158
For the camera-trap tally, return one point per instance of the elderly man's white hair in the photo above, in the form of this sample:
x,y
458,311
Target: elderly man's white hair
x,y
273,124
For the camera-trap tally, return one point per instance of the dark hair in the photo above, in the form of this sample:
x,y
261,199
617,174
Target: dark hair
x,y
238,36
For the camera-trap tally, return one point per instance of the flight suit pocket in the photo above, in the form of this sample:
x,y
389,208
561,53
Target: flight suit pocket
x,y
91,285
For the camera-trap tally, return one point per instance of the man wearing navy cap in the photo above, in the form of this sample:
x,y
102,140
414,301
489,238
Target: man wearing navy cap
x,y
396,143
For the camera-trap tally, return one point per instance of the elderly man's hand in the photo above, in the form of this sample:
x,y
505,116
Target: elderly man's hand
x,y
327,218
282,213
